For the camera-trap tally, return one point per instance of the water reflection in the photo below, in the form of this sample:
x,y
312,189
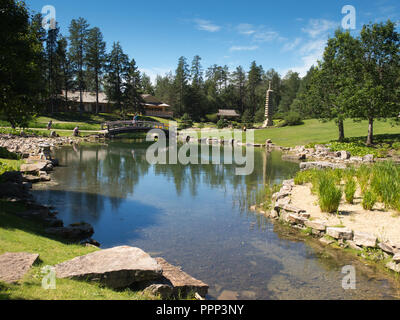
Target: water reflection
x,y
190,216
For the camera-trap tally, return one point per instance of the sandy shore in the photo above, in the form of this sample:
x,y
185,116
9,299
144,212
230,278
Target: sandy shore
x,y
383,224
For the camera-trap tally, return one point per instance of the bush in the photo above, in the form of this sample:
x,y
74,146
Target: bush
x,y
369,200
329,194
222,124
350,190
293,118
212,117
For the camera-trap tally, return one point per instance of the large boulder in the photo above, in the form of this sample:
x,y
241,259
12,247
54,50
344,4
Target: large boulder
x,y
116,268
14,266
33,167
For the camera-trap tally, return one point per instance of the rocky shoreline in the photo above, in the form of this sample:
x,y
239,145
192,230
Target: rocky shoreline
x,y
298,218
117,268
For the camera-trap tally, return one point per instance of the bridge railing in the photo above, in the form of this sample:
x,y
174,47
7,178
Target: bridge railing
x,y
116,125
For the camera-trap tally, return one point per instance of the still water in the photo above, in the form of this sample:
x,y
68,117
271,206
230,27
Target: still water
x,y
196,216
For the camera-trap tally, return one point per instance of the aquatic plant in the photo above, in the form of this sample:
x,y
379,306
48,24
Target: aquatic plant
x,y
369,200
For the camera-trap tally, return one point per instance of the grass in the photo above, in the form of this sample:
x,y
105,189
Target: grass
x,y
350,190
316,132
20,235
329,194
379,182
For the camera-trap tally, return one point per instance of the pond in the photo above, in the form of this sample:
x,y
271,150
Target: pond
x,y
196,216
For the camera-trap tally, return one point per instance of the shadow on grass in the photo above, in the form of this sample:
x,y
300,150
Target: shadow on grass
x,y
378,139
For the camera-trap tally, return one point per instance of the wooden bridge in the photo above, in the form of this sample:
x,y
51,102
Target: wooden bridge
x,y
118,127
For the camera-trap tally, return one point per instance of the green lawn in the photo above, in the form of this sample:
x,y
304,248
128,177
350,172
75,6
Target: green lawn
x,y
20,235
314,131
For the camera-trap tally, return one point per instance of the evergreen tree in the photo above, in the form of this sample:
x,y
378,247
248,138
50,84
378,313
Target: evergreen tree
x,y
290,87
146,85
133,90
78,39
65,80
95,59
117,68
239,83
181,85
254,80
21,64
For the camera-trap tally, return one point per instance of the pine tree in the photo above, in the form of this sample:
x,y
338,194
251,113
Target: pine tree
x,y
95,59
78,34
181,84
132,92
117,68
22,80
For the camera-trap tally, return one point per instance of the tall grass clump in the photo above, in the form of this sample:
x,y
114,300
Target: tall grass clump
x,y
385,183
329,194
369,200
304,177
350,189
363,177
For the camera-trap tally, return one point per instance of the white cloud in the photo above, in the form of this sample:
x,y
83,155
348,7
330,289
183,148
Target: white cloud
x,y
318,27
289,46
246,29
265,36
243,48
206,25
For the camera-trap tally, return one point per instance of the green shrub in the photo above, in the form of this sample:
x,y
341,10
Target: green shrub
x,y
293,118
350,190
329,194
212,117
222,124
369,200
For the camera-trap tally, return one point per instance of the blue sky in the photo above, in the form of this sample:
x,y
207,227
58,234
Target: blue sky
x,y
280,34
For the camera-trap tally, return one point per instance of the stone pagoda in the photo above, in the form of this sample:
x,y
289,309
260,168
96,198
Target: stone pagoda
x,y
268,108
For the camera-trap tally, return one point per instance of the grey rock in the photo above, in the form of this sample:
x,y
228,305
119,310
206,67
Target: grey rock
x,y
387,247
396,257
368,158
296,219
340,233
353,245
364,239
321,165
164,291
116,268
393,266
345,155
182,283
14,266
33,167
316,225
326,241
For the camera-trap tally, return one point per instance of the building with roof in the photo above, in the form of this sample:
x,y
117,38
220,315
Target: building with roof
x,y
225,113
153,107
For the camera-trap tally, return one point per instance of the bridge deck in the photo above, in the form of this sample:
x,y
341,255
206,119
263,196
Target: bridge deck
x,y
117,127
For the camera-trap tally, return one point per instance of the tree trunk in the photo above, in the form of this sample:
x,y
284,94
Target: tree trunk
x,y
370,138
341,130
